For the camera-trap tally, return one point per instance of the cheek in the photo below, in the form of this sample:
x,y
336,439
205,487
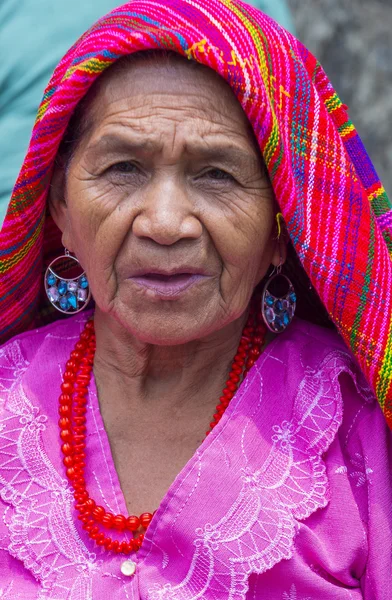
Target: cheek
x,y
99,221
242,235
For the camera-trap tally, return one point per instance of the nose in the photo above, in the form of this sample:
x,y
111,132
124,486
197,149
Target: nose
x,y
166,215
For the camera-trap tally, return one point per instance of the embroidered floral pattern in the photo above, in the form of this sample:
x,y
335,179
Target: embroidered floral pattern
x,y
258,530
42,531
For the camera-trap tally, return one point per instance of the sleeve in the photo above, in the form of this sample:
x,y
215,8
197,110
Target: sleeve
x,y
367,444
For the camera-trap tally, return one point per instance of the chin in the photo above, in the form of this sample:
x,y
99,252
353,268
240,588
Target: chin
x,y
167,324
163,329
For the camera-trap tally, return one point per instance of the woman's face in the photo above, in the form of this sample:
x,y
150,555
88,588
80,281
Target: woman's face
x,y
165,202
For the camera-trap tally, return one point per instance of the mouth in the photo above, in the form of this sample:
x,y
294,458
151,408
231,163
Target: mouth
x,y
167,285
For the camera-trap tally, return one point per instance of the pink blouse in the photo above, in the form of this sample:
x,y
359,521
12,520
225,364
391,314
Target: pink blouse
x,y
289,498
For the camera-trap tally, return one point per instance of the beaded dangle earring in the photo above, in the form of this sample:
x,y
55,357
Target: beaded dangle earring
x,y
278,300
68,295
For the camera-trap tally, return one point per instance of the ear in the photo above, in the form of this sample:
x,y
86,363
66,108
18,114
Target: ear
x,y
57,203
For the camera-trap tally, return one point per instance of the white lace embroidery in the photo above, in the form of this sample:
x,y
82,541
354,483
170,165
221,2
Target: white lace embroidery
x,y
42,532
258,530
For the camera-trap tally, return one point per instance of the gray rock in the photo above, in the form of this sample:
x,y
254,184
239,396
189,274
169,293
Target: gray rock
x,y
353,41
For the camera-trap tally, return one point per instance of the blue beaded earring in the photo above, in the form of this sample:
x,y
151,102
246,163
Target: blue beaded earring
x,y
278,300
67,295
278,308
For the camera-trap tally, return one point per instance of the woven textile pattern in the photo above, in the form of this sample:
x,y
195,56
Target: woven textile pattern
x,y
337,212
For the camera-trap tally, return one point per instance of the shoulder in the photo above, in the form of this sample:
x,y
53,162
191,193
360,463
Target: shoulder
x,y
317,378
305,347
33,360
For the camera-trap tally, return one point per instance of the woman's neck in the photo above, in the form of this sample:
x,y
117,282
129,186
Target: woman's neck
x,y
132,374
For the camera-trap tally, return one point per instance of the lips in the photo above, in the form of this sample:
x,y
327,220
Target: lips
x,y
168,285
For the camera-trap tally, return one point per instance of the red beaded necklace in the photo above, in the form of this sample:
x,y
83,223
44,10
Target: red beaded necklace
x,y
72,423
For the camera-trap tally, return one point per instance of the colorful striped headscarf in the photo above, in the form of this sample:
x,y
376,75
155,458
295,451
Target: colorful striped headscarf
x,y
336,210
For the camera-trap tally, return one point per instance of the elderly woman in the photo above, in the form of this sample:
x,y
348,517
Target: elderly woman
x,y
206,182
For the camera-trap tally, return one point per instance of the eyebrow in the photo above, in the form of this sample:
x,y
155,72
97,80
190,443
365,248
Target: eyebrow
x,y
226,153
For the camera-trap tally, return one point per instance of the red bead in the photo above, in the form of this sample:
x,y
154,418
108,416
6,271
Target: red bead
x,y
68,461
79,447
70,472
249,363
82,380
258,340
67,449
70,365
224,400
79,421
145,519
212,424
67,387
125,548
65,399
228,393
94,531
254,352
248,331
76,355
231,386
107,520
89,325
107,543
69,376
80,497
66,435
65,423
133,523
65,410
80,429
80,482
115,545
83,519
79,485
80,388
98,513
79,457
100,539
80,347
79,439
236,369
234,378
119,522
80,400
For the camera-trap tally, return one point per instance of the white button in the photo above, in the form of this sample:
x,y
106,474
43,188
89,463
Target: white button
x,y
128,568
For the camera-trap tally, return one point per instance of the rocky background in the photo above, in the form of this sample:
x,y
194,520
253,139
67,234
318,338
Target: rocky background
x,y
353,41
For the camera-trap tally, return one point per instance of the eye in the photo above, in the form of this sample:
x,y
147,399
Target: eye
x,y
124,167
218,175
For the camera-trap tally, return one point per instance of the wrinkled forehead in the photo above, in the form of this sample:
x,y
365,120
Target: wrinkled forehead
x,y
149,78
